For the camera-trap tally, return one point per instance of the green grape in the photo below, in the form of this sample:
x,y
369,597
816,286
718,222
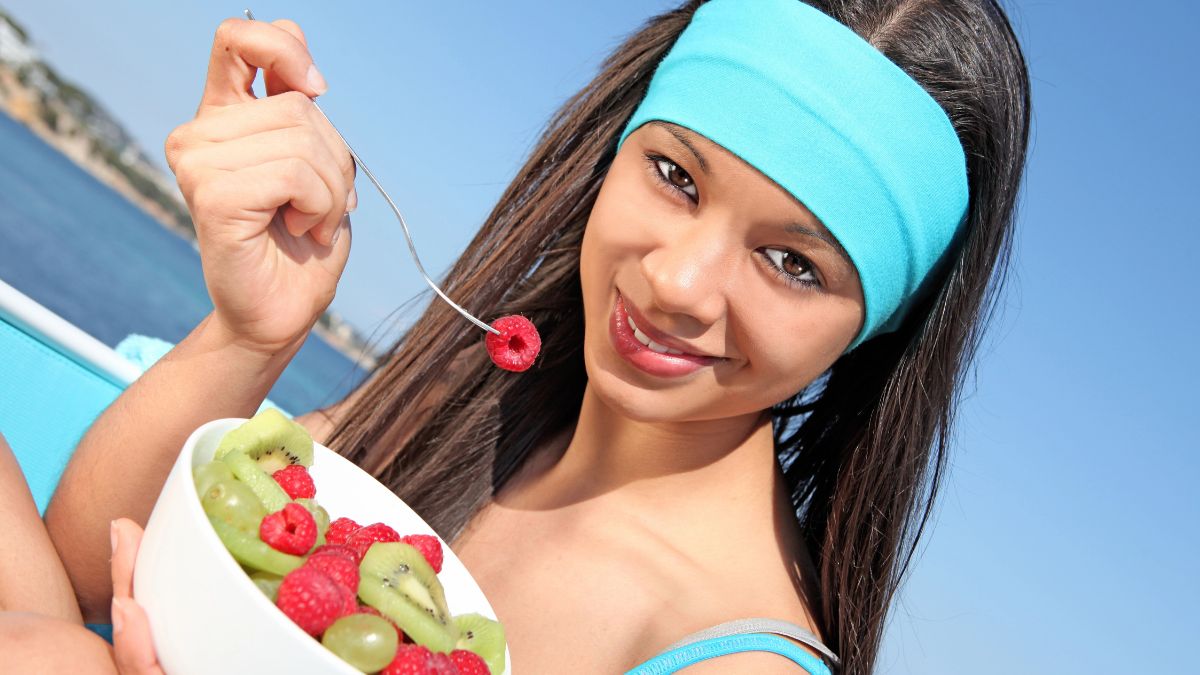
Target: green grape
x,y
267,583
365,641
207,474
231,502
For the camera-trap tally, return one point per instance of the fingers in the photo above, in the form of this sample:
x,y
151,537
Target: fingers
x,y
263,188
126,537
133,646
272,82
240,47
298,142
203,142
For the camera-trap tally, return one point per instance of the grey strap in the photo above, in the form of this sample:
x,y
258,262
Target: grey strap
x,y
743,626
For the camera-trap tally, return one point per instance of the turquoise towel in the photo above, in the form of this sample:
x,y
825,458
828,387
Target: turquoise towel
x,y
143,351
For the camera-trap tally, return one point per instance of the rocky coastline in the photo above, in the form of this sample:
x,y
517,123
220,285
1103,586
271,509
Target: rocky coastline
x,y
68,119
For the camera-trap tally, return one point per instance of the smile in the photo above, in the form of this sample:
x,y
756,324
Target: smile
x,y
646,354
644,339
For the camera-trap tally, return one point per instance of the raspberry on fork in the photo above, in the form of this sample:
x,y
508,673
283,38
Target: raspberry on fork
x,y
516,346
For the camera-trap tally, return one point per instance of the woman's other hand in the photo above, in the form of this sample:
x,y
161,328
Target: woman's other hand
x,y
268,183
133,649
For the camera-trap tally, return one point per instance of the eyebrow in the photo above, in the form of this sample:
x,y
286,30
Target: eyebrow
x,y
800,228
679,135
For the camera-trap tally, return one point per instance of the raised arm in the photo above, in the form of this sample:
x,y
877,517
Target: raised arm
x,y
268,183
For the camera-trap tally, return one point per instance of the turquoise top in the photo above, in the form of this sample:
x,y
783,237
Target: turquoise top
x,y
743,635
675,659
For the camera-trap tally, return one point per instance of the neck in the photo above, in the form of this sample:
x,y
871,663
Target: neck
x,y
669,471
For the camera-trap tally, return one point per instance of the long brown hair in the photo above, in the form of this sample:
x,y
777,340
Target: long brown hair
x,y
863,449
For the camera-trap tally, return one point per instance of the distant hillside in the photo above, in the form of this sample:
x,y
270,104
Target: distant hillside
x,y
66,117
62,113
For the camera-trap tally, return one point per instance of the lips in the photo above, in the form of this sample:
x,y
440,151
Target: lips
x,y
652,352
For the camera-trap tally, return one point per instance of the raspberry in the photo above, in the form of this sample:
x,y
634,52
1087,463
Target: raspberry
x,y
349,601
339,568
418,660
290,530
295,481
429,546
338,550
340,529
311,599
517,345
469,663
361,540
367,609
440,664
410,660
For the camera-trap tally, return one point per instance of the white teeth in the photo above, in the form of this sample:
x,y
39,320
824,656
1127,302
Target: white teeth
x,y
645,340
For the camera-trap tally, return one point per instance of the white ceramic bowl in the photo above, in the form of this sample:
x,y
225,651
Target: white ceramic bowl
x,y
206,615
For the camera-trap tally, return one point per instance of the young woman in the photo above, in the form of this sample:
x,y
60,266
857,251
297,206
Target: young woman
x,y
811,203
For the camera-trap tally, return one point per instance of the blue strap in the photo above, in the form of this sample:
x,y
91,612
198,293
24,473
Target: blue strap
x,y
676,659
104,630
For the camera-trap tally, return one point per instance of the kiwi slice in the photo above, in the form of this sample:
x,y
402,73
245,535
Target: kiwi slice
x,y
485,637
206,474
320,515
270,439
396,580
252,552
250,472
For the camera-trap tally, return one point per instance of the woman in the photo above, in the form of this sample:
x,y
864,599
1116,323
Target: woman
x,y
824,270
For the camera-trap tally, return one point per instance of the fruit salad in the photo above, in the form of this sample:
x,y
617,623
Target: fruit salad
x,y
368,593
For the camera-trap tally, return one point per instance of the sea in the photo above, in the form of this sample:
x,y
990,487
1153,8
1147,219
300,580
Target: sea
x,y
83,251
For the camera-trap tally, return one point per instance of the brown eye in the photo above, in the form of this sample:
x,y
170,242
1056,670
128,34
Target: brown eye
x,y
792,266
678,177
675,177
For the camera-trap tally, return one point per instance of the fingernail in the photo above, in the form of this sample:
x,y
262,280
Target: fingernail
x,y
338,232
112,536
316,81
118,614
352,202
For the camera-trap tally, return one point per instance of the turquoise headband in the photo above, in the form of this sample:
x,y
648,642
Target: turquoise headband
x,y
818,110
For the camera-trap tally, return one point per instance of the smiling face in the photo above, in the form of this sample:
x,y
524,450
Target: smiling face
x,y
704,255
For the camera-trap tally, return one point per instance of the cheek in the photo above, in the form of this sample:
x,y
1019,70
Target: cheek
x,y
787,353
618,228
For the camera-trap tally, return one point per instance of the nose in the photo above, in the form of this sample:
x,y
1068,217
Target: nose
x,y
688,274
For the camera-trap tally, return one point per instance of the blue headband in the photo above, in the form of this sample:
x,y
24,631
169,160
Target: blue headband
x,y
817,109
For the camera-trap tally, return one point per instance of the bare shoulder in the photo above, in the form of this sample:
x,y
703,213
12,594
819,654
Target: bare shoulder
x,y
319,423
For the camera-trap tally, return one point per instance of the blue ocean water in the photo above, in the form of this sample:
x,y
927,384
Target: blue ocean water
x,y
83,251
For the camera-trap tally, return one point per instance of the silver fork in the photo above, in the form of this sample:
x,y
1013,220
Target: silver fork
x,y
412,249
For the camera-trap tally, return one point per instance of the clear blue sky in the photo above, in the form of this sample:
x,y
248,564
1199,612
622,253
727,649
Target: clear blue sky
x,y
1066,541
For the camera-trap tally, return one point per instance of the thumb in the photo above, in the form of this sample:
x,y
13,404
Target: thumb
x,y
133,648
